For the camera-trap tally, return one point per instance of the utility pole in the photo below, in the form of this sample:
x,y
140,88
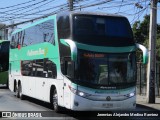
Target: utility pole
x,y
70,5
152,53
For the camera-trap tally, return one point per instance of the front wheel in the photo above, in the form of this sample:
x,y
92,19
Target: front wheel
x,y
54,101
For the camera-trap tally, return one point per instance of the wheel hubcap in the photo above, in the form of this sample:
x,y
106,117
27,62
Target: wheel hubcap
x,y
55,99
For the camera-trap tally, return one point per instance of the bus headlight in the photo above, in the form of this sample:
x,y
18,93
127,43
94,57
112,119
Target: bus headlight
x,y
130,94
79,93
83,94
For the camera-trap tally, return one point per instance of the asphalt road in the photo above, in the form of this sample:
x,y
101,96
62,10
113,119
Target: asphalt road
x,y
32,108
24,108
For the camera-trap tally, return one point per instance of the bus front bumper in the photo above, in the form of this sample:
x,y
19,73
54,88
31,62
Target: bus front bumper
x,y
83,104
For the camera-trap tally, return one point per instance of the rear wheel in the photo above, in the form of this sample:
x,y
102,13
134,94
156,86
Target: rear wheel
x,y
20,92
17,91
7,86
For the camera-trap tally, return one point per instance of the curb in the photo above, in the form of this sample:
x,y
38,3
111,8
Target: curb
x,y
146,107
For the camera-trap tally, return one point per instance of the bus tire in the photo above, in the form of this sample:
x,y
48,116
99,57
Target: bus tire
x,y
54,101
7,85
17,91
21,96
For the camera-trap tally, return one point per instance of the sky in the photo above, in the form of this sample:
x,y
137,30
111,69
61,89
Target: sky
x,y
15,11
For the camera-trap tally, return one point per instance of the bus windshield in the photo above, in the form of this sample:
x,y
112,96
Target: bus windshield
x,y
107,69
98,30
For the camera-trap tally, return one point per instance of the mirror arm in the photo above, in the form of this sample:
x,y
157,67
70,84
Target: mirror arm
x,y
145,52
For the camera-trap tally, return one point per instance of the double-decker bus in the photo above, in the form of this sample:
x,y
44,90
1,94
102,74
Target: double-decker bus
x,y
4,61
81,61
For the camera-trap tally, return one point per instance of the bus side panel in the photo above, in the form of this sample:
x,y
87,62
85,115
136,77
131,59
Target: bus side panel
x,y
37,86
42,88
28,86
56,80
11,78
58,83
14,72
67,93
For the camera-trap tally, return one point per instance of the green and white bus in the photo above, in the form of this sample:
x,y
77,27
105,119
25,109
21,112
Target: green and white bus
x,y
81,61
4,61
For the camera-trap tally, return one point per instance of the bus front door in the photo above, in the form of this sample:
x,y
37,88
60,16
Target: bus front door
x,y
69,74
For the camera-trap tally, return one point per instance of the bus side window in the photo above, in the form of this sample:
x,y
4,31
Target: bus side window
x,y
26,68
39,68
54,70
63,26
68,69
100,23
51,69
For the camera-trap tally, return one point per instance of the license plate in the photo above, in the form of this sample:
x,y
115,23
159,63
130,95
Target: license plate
x,y
107,105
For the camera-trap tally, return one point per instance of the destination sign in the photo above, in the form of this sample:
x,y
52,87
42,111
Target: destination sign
x,y
91,55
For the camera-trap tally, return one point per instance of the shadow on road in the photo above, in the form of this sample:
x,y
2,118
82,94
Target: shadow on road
x,y
87,115
68,114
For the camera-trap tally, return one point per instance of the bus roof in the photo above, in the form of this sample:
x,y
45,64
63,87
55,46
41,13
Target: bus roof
x,y
65,13
89,13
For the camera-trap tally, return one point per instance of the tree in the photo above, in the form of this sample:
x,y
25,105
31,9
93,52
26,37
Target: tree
x,y
139,38
141,30
141,34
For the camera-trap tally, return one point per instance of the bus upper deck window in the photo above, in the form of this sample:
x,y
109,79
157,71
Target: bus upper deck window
x,y
100,23
84,25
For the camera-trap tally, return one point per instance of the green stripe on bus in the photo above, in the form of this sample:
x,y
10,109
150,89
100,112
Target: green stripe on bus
x,y
106,49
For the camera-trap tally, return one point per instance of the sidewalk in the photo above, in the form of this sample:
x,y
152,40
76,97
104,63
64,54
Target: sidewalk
x,y
141,101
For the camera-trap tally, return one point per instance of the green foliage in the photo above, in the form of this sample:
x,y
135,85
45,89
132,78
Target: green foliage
x,y
141,30
141,35
139,38
158,49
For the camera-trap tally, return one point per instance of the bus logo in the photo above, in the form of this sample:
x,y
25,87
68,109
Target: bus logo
x,y
6,114
108,98
40,51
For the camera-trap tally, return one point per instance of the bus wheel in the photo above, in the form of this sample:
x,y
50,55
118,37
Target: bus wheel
x,y
54,101
7,85
17,91
20,92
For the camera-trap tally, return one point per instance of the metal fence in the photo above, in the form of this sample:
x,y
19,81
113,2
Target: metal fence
x,y
141,86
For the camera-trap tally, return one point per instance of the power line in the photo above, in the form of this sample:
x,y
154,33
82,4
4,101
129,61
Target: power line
x,y
21,14
24,7
122,5
119,5
139,13
21,8
54,12
59,10
33,13
18,4
92,5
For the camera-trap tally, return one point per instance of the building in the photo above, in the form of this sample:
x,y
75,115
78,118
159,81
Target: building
x,y
3,32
